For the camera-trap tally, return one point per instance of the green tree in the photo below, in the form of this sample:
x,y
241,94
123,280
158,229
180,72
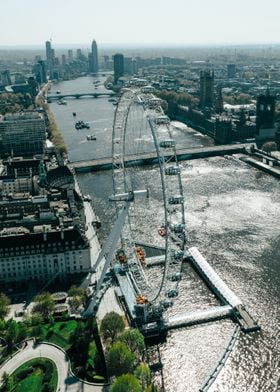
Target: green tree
x,y
120,360
2,325
134,341
80,344
44,305
7,383
75,302
143,374
269,147
35,319
75,291
111,326
22,332
77,295
4,305
11,334
78,332
126,383
37,331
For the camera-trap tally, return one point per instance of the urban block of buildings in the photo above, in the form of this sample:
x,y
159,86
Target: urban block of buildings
x,y
42,221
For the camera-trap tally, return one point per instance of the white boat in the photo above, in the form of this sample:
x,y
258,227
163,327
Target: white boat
x,y
91,137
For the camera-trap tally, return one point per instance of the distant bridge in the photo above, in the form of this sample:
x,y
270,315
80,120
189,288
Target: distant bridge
x,y
151,157
56,97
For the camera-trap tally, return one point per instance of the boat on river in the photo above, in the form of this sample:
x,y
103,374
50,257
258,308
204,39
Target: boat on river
x,y
61,102
82,125
91,137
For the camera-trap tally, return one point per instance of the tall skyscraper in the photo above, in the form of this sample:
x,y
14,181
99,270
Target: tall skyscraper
x,y
79,54
118,66
39,70
49,55
70,56
93,58
63,59
206,88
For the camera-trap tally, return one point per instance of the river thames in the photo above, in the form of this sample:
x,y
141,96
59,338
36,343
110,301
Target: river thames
x,y
232,215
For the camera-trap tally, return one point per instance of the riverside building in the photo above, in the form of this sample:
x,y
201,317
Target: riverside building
x,y
22,133
118,66
42,228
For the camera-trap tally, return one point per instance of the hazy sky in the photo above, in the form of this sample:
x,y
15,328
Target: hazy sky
x,y
32,22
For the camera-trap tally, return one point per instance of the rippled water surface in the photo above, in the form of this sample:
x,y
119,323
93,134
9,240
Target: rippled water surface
x,y
232,214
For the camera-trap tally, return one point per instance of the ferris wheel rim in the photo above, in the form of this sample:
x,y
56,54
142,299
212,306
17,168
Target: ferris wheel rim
x,y
161,163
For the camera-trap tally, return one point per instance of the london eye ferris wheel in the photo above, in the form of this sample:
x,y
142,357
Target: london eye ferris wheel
x,y
155,216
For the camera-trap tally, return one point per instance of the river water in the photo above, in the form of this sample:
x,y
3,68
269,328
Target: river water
x,y
232,214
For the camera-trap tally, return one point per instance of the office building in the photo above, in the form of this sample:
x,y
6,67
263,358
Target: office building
x,y
49,56
118,66
70,56
39,70
79,54
231,71
5,78
93,58
128,65
22,134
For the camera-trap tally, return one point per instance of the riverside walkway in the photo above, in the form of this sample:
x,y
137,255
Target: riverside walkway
x,y
151,157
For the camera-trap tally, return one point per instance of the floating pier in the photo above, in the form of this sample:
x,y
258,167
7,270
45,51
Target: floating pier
x,y
199,317
223,292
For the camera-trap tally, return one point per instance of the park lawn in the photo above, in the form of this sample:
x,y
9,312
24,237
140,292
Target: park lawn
x,y
92,352
54,379
32,383
59,333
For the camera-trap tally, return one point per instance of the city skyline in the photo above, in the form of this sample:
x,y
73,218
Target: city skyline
x,y
193,23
